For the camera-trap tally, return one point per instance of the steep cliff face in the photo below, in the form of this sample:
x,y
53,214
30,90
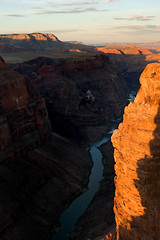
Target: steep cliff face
x,y
37,181
24,120
131,60
137,144
81,92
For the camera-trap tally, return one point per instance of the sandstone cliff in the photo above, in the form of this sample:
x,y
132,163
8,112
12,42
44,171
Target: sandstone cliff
x,y
78,92
24,120
137,144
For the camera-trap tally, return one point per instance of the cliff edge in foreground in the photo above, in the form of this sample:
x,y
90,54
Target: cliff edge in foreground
x,y
137,155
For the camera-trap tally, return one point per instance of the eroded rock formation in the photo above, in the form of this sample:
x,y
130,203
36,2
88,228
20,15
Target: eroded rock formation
x,y
24,120
137,153
78,92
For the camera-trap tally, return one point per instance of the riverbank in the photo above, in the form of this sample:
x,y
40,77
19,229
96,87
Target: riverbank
x,y
38,187
99,216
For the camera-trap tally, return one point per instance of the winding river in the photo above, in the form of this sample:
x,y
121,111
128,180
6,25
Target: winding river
x,y
76,209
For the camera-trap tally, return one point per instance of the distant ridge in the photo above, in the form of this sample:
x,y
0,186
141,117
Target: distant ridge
x,y
124,50
30,36
42,41
32,41
152,46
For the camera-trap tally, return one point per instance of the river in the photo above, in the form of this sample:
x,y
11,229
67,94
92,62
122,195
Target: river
x,y
76,209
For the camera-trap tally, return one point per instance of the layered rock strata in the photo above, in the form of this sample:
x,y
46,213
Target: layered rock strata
x,y
24,120
137,144
78,92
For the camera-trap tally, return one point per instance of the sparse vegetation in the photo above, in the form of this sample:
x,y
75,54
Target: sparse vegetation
x,y
153,74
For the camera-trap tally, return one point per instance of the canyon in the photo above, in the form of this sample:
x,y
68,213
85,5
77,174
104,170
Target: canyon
x,y
33,160
75,90
58,98
36,165
131,61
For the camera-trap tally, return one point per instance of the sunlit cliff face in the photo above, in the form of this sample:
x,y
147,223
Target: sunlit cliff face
x,y
137,155
37,36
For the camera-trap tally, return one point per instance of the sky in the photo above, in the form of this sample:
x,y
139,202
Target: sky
x,y
88,21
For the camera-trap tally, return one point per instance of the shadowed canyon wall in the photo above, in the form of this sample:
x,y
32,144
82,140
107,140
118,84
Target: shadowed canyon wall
x,y
137,154
78,92
24,122
131,61
38,178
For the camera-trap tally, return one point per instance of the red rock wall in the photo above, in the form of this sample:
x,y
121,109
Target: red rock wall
x,y
24,120
137,154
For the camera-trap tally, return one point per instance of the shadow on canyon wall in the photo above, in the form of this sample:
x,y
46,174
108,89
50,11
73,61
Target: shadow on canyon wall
x,y
131,66
146,225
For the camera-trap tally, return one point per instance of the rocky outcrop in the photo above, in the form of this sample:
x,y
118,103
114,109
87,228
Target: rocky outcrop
x,y
24,120
78,92
137,144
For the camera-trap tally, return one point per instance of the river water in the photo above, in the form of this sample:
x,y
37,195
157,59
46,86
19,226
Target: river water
x,y
76,209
